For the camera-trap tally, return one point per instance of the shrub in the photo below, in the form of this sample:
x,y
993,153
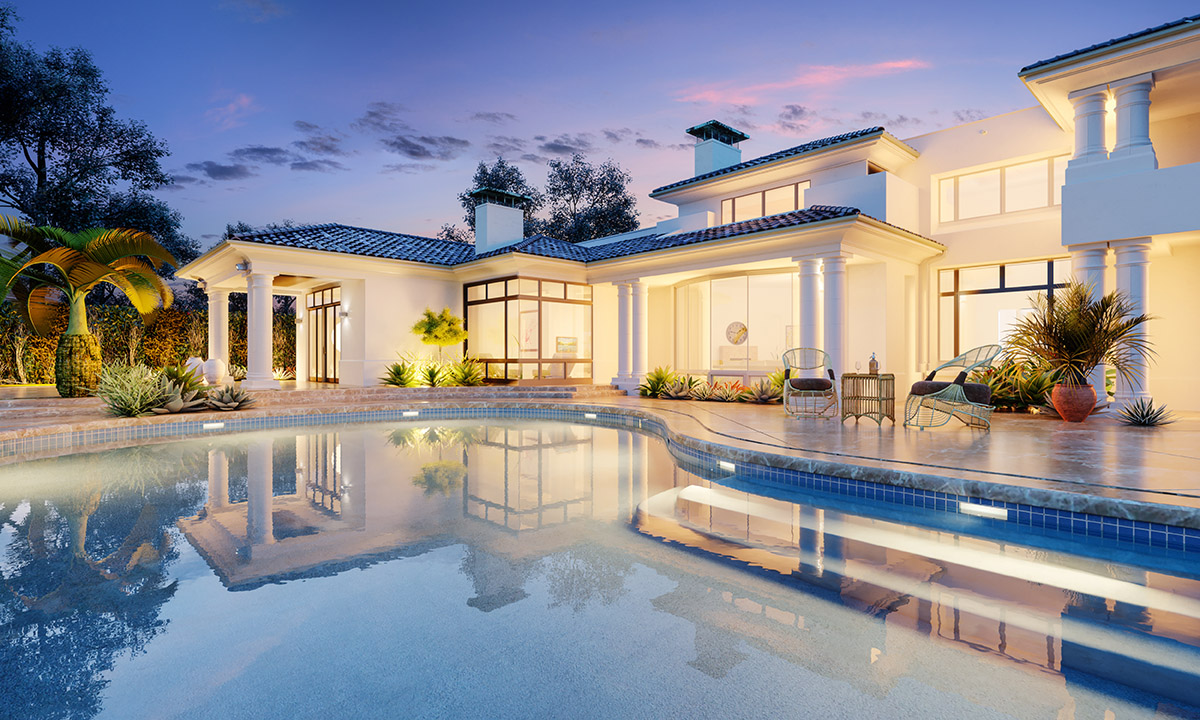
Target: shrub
x,y
432,374
681,389
400,374
1016,386
283,373
703,391
763,391
656,381
237,372
176,399
130,390
1143,413
776,379
467,372
183,378
730,391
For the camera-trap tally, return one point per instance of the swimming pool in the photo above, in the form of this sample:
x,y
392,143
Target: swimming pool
x,y
510,568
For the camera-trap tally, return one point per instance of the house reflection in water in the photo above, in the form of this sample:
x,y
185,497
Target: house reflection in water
x,y
869,601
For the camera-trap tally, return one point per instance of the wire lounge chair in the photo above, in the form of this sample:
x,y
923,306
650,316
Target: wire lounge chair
x,y
931,403
808,396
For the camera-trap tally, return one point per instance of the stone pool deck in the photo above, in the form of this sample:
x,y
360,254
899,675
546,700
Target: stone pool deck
x,y
1100,467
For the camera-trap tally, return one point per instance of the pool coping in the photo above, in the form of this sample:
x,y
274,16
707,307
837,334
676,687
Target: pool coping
x,y
915,484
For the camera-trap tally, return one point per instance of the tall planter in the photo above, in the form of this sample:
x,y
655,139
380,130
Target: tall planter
x,y
1073,403
77,365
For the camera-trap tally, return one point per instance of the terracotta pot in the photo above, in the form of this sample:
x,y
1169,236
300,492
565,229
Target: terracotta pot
x,y
1073,402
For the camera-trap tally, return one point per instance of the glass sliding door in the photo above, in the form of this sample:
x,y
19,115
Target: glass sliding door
x,y
324,334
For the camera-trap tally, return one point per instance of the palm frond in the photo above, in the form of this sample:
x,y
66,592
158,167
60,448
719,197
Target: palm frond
x,y
36,239
109,246
79,270
38,304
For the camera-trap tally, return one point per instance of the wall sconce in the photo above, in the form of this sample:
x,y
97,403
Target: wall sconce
x,y
343,314
243,266
300,319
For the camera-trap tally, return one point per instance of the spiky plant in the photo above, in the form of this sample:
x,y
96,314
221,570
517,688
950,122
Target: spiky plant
x,y
1143,413
1016,386
681,389
763,391
656,381
229,398
731,391
703,391
467,372
432,374
184,377
237,372
400,374
53,267
1074,333
177,399
130,390
776,379
282,373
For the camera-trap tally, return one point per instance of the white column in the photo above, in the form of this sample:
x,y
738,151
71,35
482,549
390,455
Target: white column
x,y
1133,279
639,474
259,313
1088,267
641,330
260,523
302,329
218,325
623,349
1133,118
834,268
1090,112
810,303
218,479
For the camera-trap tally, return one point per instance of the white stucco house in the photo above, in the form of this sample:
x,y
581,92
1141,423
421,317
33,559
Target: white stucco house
x,y
912,249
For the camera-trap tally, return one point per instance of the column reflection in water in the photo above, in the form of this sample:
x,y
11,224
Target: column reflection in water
x,y
260,476
218,479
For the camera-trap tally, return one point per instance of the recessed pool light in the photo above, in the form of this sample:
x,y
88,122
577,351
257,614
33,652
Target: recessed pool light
x,y
988,511
726,465
590,416
213,426
410,413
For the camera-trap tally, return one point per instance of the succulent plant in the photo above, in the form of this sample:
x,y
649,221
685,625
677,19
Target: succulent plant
x,y
184,377
282,373
776,379
703,391
229,398
177,399
731,391
656,381
130,390
467,372
763,391
681,389
1143,413
400,374
237,372
433,375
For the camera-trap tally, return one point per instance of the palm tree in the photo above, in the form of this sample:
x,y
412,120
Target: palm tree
x,y
53,267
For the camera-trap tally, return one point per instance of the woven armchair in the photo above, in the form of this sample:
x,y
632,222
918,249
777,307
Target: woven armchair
x,y
808,396
931,403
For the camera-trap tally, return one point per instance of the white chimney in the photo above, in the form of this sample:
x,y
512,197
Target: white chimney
x,y
716,146
499,219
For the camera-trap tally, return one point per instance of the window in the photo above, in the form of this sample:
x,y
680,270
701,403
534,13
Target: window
x,y
979,305
530,329
1024,186
324,334
761,204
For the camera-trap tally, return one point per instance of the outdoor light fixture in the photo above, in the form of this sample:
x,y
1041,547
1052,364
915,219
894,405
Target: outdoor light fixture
x,y
243,266
343,314
987,511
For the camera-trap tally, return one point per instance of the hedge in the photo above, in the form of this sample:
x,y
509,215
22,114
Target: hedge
x,y
174,336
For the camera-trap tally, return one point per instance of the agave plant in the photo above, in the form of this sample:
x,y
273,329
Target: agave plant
x,y
400,374
731,391
681,389
776,379
467,372
703,391
282,373
1143,413
177,399
237,372
130,390
186,379
432,374
656,381
229,398
53,267
763,391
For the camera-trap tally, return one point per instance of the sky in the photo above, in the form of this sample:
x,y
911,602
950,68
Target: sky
x,y
375,114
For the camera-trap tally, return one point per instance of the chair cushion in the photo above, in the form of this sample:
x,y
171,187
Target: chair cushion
x,y
810,384
978,393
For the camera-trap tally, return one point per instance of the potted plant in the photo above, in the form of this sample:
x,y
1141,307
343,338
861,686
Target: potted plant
x,y
1072,334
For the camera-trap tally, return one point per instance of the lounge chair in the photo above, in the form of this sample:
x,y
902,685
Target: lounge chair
x,y
931,403
808,396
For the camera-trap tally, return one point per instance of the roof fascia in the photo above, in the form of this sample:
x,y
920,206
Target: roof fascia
x,y
519,263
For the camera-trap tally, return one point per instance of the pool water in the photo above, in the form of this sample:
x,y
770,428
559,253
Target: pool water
x,y
543,569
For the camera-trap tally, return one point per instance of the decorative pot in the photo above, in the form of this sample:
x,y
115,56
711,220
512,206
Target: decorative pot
x,y
1073,402
214,371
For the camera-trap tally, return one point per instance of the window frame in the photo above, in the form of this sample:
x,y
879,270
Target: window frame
x,y
728,204
1053,196
1052,283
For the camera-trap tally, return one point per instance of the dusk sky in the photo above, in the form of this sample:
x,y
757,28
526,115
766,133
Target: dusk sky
x,y
376,113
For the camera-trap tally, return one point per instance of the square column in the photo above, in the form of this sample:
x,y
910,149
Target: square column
x,y
218,327
640,316
810,303
259,331
624,356
1133,279
1088,265
834,269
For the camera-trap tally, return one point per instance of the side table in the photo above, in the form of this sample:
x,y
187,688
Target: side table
x,y
867,395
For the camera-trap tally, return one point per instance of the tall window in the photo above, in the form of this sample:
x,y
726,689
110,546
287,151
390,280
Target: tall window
x,y
530,329
1025,186
980,305
324,334
782,199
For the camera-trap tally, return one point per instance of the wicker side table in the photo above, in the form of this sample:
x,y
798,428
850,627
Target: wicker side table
x,y
866,395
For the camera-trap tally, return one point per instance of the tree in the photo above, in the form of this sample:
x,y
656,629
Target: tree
x,y
587,201
502,175
442,329
53,267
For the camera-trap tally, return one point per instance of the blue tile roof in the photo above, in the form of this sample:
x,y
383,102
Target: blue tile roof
x,y
333,237
790,152
434,251
1139,35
